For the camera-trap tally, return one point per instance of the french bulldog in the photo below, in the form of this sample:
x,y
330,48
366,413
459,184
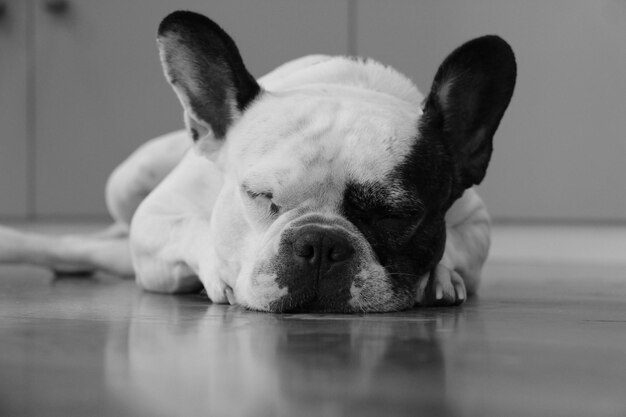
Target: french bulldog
x,y
330,184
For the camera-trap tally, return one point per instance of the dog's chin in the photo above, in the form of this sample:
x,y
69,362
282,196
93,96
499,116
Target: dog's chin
x,y
311,301
308,302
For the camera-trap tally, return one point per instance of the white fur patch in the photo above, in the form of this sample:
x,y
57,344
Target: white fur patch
x,y
370,289
321,123
366,74
261,292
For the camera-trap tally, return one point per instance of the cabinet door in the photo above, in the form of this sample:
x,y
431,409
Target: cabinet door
x,y
560,151
101,92
14,141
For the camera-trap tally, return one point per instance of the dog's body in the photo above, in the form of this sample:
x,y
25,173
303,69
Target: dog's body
x,y
324,186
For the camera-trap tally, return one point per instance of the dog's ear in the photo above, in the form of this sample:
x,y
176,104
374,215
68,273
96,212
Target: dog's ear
x,y
203,65
469,95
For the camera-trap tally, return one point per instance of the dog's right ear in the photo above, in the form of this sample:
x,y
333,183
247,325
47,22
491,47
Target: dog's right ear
x,y
203,65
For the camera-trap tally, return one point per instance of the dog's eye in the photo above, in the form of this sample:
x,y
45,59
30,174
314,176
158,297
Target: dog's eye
x,y
266,196
398,226
254,195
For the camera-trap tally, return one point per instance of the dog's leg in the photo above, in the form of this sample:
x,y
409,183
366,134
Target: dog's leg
x,y
114,231
467,244
66,254
107,250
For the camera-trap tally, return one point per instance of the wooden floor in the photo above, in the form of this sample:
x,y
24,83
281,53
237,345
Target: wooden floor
x,y
541,340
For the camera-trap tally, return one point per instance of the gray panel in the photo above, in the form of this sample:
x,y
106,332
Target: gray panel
x,y
101,92
560,150
13,104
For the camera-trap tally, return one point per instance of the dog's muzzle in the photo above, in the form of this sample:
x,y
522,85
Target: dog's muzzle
x,y
318,262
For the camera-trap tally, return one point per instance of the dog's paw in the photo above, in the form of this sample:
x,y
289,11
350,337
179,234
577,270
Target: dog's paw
x,y
442,287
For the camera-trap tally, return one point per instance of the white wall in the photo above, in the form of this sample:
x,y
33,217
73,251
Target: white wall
x,y
561,149
559,153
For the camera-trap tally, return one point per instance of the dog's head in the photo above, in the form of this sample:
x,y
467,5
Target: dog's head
x,y
334,196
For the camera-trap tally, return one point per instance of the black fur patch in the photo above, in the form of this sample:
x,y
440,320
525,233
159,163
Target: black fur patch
x,y
469,95
407,236
308,288
204,62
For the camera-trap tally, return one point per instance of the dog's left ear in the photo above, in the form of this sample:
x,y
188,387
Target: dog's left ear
x,y
203,65
469,95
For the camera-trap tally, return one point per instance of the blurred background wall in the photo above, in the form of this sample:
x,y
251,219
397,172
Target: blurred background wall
x,y
81,87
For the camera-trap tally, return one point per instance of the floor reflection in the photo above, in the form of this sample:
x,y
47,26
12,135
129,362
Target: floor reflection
x,y
181,356
100,346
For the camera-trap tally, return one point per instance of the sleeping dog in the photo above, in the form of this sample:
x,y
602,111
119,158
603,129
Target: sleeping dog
x,y
330,184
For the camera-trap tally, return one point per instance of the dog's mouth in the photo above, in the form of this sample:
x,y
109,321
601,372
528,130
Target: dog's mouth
x,y
308,302
301,302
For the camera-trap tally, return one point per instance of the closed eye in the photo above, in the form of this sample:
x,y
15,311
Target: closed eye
x,y
253,195
274,209
402,227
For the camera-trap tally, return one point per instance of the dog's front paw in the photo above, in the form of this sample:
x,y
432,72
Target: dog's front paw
x,y
442,287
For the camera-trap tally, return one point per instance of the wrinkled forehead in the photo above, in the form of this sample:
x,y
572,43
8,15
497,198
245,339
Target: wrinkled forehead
x,y
321,136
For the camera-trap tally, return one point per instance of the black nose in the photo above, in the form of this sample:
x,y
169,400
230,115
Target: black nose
x,y
321,247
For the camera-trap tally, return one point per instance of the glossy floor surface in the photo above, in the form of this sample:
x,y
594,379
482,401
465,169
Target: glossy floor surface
x,y
539,341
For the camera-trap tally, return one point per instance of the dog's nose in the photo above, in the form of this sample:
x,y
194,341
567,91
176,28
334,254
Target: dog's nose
x,y
322,247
